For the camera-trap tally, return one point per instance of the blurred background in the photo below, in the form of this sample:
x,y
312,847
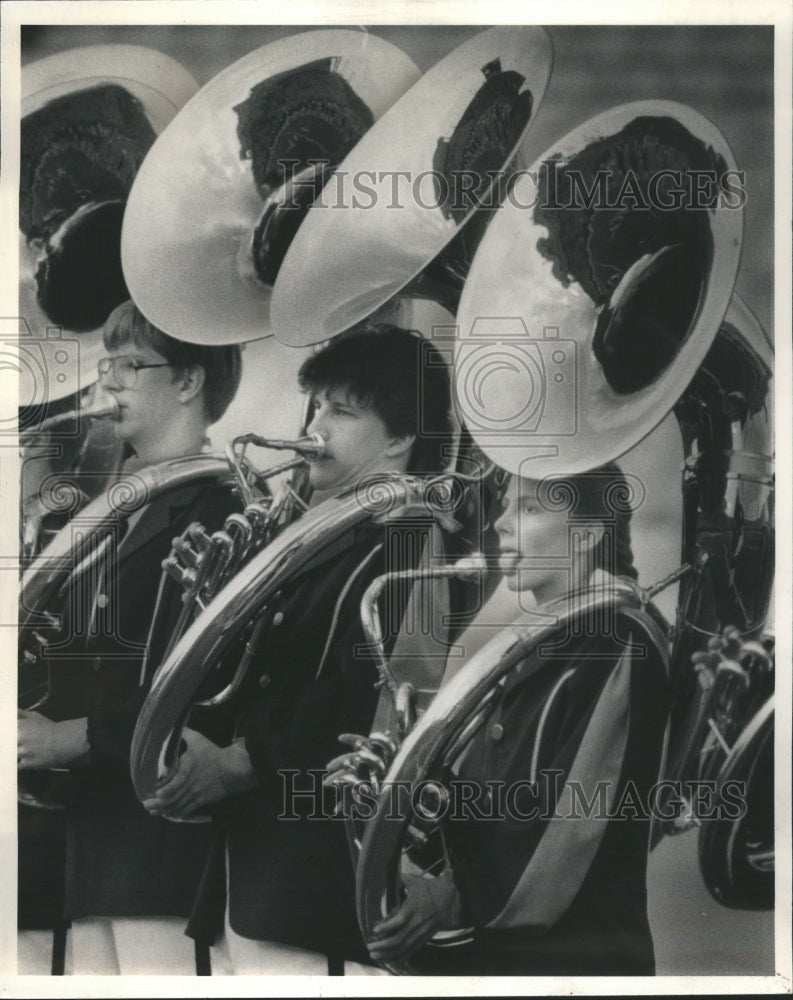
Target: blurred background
x,y
725,73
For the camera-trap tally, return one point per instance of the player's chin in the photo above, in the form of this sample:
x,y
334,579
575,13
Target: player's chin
x,y
322,475
123,428
520,579
513,580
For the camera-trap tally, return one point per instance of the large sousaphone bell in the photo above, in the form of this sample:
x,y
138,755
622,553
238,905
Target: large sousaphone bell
x,y
411,188
89,116
224,188
597,289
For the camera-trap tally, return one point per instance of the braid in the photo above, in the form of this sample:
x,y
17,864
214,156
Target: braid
x,y
603,495
624,551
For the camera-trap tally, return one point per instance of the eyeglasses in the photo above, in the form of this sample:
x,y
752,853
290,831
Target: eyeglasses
x,y
125,369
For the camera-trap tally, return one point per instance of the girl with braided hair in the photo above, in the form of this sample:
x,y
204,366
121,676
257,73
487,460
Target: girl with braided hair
x,y
548,865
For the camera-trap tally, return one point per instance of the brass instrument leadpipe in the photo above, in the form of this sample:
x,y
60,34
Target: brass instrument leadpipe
x,y
293,463
309,446
108,409
401,694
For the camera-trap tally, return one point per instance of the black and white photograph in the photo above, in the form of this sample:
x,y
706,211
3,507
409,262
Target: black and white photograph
x,y
395,476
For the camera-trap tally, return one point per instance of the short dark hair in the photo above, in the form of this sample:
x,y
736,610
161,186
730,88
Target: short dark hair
x,y
399,375
222,365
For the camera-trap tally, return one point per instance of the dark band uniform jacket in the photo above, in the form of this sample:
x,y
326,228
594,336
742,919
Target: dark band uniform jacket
x,y
121,861
291,880
563,896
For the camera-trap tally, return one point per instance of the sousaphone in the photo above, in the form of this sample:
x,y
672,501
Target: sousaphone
x,y
225,187
89,117
597,289
407,207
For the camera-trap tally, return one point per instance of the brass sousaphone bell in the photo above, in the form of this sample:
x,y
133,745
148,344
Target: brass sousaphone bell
x,y
89,116
222,191
597,289
412,187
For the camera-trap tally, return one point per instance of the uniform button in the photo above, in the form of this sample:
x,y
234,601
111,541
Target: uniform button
x,y
97,663
278,617
102,600
264,680
497,731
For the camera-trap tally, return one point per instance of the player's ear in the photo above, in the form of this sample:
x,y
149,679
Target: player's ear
x,y
191,382
400,445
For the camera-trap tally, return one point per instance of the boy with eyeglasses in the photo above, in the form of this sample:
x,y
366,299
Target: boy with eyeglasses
x,y
168,391
131,878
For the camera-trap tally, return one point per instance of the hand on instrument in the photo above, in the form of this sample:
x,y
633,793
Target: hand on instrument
x,y
42,743
368,762
431,904
199,780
